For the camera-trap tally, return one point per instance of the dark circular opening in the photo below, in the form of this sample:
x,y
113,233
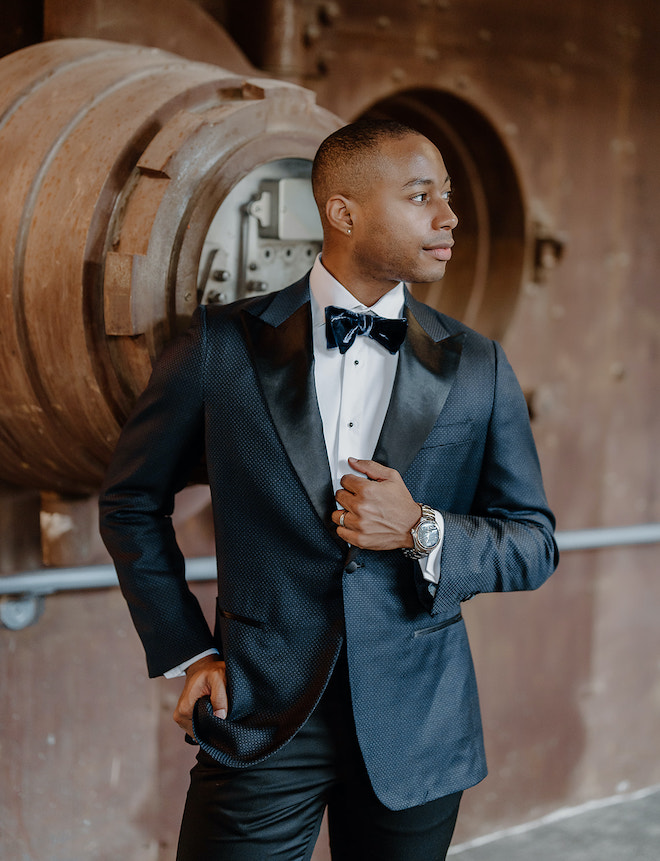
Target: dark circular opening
x,y
487,268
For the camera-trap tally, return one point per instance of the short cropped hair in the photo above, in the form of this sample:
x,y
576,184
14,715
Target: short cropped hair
x,y
342,162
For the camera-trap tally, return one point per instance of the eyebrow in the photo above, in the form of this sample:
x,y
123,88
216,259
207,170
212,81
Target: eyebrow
x,y
421,181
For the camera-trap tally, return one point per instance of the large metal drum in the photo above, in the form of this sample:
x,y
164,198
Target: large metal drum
x,y
115,163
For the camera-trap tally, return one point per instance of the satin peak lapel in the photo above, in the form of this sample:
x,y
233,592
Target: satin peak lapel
x,y
280,341
428,361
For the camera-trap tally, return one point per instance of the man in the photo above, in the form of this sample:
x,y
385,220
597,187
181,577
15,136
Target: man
x,y
367,477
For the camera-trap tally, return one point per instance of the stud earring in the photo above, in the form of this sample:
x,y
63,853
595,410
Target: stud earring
x,y
349,231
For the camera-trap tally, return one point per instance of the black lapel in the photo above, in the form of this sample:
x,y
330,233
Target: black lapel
x,y
279,337
428,361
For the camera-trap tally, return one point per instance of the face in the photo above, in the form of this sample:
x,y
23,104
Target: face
x,y
402,226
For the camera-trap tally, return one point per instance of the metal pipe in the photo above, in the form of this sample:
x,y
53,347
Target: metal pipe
x,y
594,539
48,581
23,601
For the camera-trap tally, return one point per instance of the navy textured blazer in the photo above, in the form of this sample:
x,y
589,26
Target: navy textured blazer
x,y
239,387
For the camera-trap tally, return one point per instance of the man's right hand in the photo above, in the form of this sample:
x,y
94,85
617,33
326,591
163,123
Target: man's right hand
x,y
206,676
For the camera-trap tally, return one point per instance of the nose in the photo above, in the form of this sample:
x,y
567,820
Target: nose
x,y
446,218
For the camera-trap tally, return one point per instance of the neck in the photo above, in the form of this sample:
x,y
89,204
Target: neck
x,y
367,291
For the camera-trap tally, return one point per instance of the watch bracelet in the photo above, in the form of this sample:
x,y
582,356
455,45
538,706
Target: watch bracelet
x,y
412,552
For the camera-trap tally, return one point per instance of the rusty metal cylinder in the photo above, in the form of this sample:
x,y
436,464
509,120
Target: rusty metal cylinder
x,y
114,160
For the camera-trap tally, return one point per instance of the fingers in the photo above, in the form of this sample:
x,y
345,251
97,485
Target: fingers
x,y
371,471
340,518
374,471
183,715
218,694
210,680
378,508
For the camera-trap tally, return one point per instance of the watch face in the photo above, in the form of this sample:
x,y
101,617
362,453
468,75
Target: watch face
x,y
428,534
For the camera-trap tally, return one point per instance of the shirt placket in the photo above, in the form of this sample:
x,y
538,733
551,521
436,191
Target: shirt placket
x,y
350,438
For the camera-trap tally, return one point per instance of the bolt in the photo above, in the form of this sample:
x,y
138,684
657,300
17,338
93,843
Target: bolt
x,y
329,12
312,33
220,275
257,286
215,298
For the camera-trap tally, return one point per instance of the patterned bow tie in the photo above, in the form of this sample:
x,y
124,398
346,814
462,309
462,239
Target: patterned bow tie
x,y
342,328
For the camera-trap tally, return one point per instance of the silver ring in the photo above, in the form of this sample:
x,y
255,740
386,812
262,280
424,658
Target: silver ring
x,y
342,518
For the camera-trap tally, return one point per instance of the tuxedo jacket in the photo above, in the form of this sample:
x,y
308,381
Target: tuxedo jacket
x,y
238,388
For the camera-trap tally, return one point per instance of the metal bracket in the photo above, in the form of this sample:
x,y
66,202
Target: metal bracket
x,y
21,612
548,251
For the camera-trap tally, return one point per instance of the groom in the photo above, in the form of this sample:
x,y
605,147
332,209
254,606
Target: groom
x,y
371,467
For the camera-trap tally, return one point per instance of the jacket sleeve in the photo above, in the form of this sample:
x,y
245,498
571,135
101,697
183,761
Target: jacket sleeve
x,y
159,446
505,543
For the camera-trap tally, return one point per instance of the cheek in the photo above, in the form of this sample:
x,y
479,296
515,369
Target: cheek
x,y
392,235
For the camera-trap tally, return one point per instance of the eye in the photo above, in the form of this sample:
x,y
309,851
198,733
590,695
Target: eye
x,y
446,195
422,197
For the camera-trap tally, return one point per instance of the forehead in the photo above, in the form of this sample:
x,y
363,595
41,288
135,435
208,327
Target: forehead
x,y
406,160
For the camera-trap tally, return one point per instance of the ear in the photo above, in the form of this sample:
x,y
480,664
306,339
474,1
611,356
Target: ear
x,y
338,211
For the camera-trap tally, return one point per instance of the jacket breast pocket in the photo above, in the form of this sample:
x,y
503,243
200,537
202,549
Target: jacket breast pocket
x,y
453,434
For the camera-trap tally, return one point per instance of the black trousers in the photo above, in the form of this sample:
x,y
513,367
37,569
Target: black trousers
x,y
272,811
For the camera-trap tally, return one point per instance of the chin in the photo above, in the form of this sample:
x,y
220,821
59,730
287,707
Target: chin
x,y
429,277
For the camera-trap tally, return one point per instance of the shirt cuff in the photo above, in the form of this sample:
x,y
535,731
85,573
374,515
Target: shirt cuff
x,y
175,672
430,564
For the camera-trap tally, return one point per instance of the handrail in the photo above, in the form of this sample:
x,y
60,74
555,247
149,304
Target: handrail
x,y
22,594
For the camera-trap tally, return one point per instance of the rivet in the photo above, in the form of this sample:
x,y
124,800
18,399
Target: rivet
x,y
312,34
329,12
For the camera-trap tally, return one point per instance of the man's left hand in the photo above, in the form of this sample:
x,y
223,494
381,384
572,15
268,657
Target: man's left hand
x,y
379,510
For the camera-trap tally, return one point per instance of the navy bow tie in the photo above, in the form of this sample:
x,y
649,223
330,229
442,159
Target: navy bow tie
x,y
342,328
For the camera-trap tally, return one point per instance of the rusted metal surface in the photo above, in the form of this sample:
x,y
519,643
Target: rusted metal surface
x,y
69,529
114,160
179,26
19,528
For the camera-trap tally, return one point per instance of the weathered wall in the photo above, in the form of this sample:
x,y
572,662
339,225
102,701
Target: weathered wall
x,y
569,676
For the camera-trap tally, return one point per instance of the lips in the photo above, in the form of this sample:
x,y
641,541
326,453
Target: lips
x,y
440,252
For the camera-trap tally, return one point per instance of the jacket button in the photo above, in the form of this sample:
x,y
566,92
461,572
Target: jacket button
x,y
351,567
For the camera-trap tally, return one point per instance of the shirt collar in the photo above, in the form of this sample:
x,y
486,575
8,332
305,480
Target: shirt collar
x,y
326,290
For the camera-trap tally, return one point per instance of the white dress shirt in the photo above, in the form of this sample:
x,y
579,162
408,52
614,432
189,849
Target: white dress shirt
x,y
353,392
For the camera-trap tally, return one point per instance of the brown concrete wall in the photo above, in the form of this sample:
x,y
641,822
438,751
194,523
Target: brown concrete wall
x,y
569,676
